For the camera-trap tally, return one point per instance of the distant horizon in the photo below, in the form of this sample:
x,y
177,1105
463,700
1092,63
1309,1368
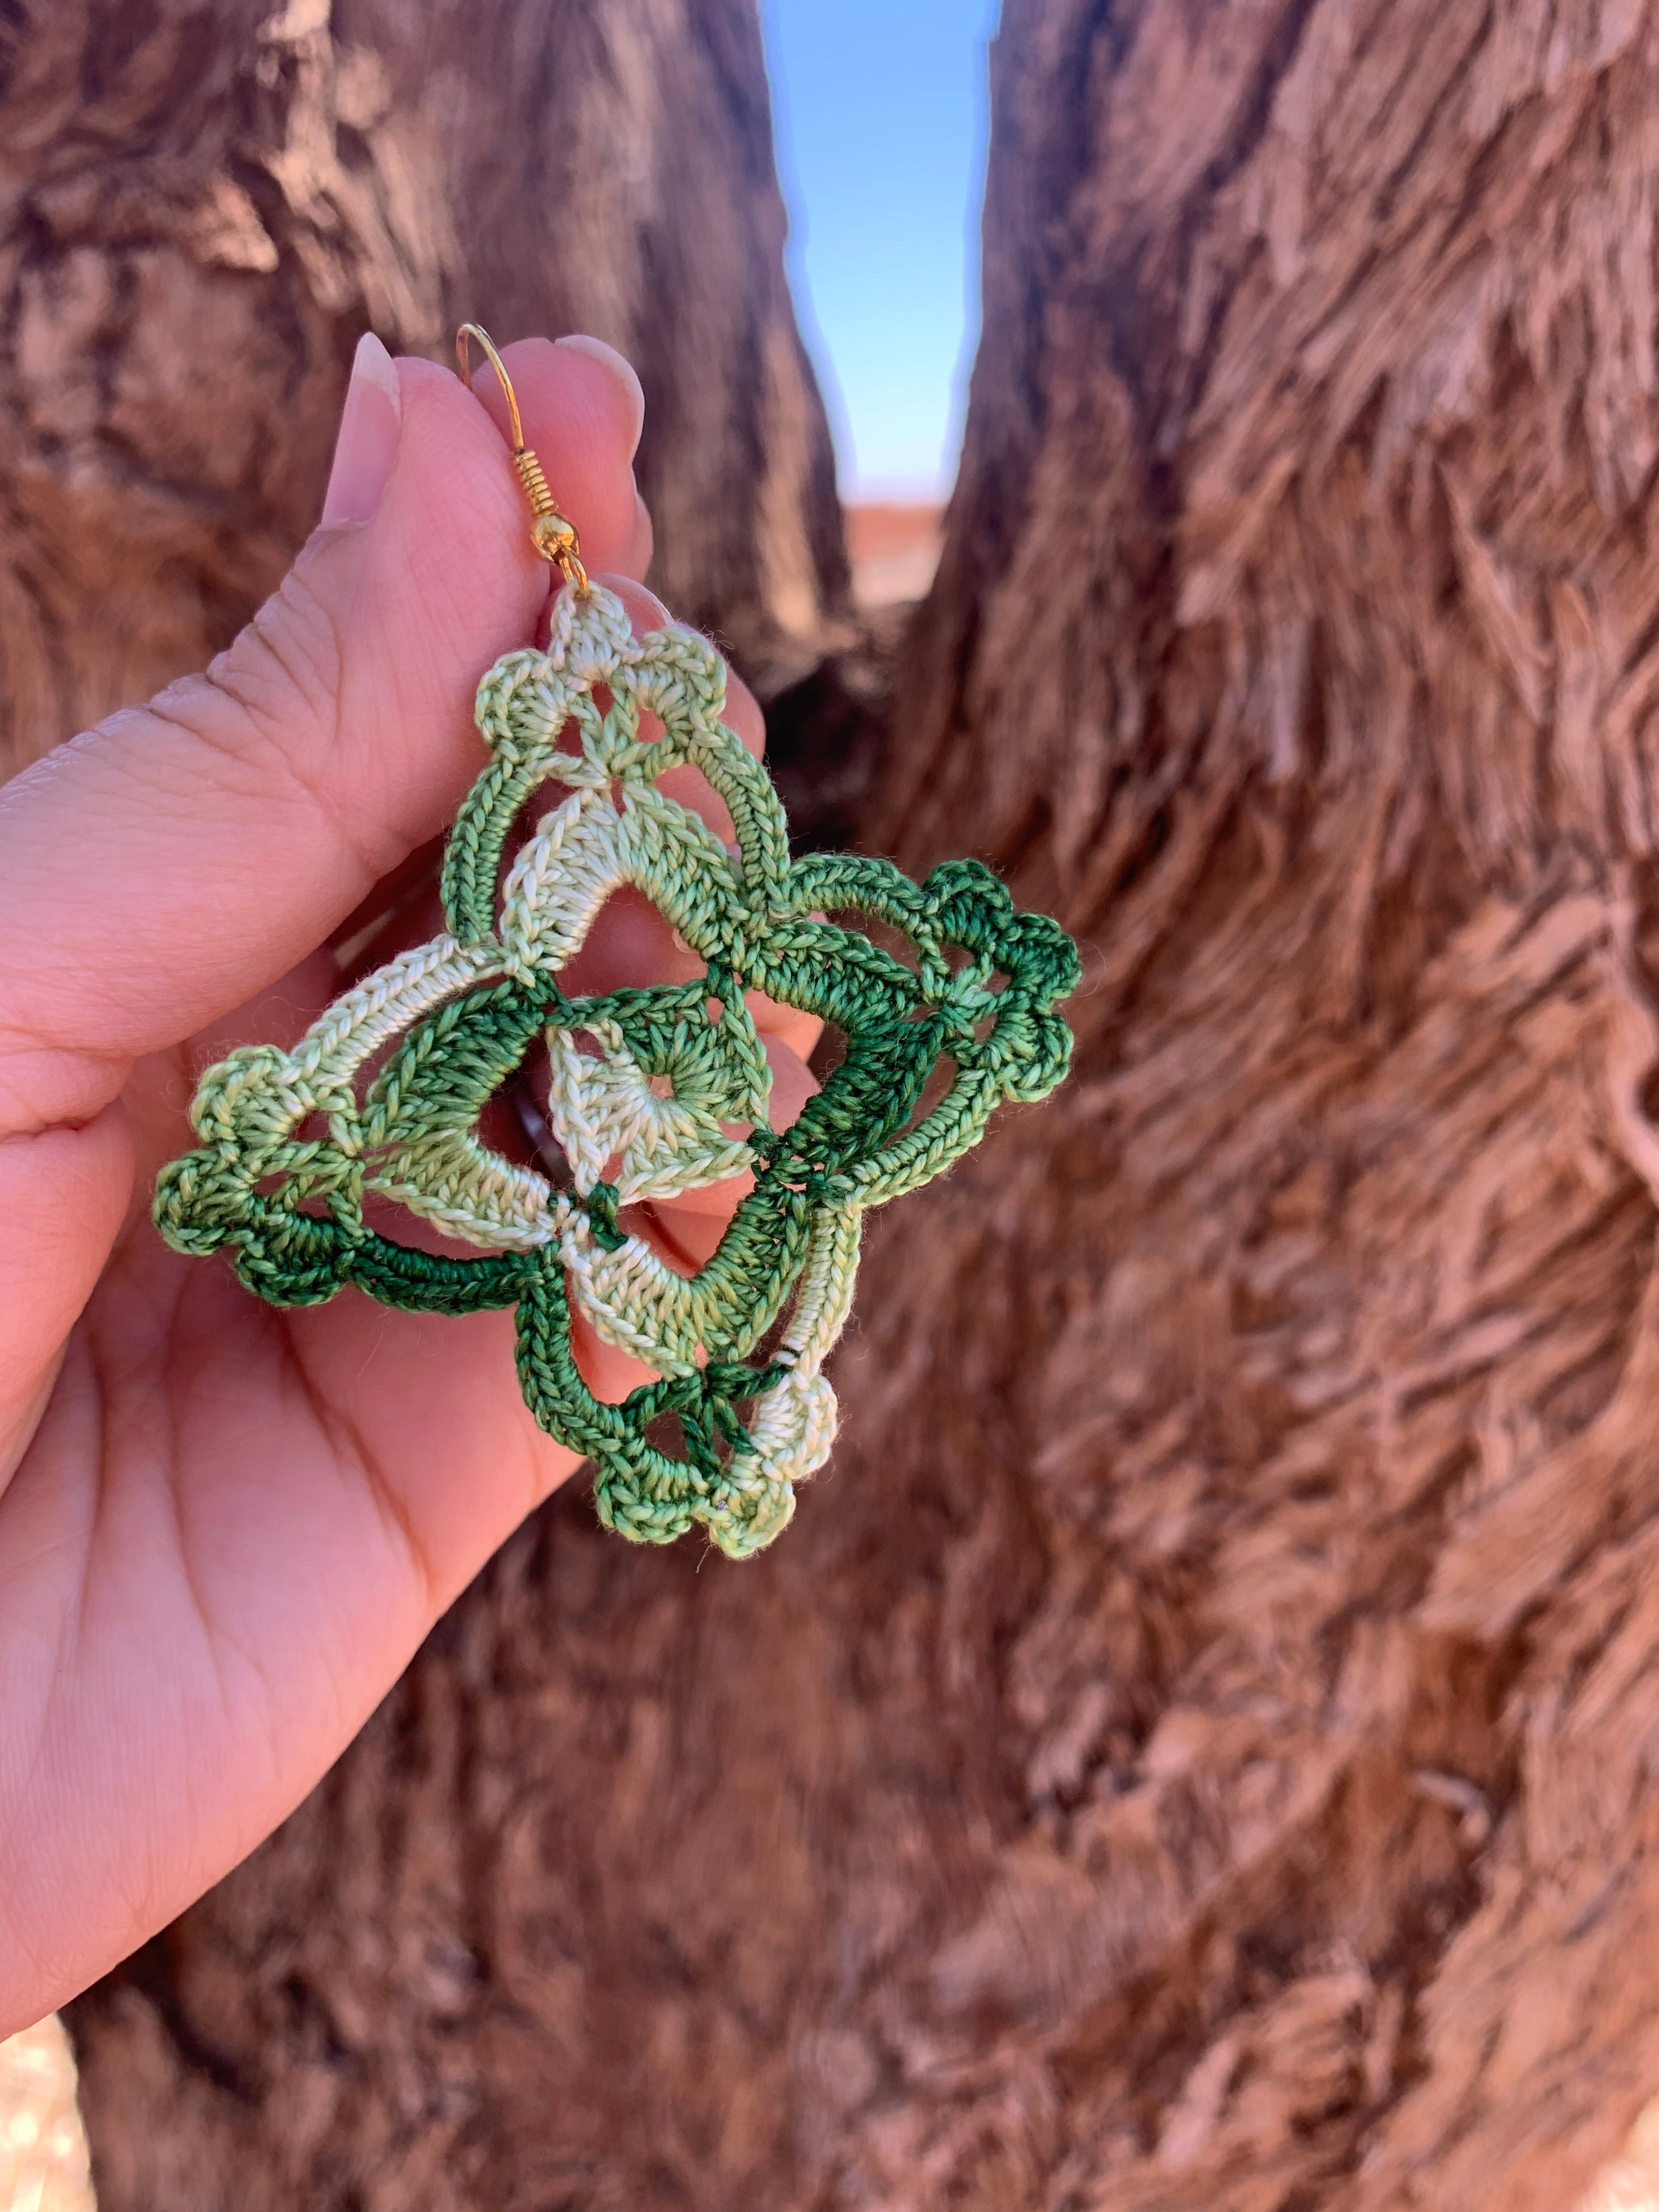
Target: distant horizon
x,y
904,502
880,115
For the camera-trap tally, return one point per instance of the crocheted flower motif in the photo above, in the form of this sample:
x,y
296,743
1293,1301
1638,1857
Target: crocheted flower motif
x,y
384,1094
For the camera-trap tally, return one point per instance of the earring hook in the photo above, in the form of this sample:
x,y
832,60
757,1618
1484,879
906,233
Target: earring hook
x,y
553,535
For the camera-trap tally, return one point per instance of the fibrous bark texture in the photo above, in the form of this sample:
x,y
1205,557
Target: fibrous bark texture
x,y
1193,1749
201,208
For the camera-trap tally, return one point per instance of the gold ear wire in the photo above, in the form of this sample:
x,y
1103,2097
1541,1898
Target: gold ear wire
x,y
552,534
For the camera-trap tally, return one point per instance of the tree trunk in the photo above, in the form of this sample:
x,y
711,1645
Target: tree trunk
x,y
200,210
1193,1748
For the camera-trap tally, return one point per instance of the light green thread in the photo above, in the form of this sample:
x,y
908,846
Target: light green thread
x,y
644,1084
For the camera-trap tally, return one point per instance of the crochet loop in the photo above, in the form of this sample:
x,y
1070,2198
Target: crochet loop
x,y
653,1091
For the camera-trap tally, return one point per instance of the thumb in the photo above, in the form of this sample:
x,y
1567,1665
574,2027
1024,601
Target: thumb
x,y
170,863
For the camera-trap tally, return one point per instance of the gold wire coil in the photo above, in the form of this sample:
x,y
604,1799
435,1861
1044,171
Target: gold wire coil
x,y
552,534
535,484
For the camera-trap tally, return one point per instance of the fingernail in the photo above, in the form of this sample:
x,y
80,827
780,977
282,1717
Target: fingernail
x,y
365,450
623,370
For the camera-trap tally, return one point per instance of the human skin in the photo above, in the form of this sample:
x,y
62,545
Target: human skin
x,y
224,1529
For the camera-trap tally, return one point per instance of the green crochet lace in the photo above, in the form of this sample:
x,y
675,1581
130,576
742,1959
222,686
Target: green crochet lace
x,y
650,1088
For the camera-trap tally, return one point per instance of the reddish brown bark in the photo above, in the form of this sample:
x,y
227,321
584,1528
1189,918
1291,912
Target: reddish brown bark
x,y
200,210
1193,1748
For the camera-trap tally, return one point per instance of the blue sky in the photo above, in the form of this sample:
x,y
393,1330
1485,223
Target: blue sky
x,y
880,117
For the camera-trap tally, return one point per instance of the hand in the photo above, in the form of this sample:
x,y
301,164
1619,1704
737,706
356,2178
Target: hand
x,y
224,1529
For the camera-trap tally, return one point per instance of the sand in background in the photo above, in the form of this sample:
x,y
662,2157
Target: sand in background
x,y
43,2154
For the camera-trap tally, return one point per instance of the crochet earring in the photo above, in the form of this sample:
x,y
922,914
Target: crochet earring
x,y
653,1091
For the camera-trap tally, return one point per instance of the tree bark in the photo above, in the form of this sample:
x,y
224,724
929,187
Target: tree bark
x,y
1193,1748
201,209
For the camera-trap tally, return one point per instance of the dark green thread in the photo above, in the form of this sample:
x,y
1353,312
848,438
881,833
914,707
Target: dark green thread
x,y
647,1084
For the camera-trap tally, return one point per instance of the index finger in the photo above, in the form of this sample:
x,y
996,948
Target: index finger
x,y
165,866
